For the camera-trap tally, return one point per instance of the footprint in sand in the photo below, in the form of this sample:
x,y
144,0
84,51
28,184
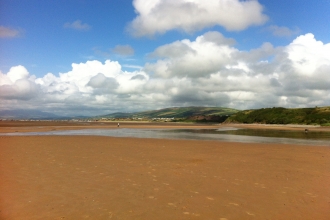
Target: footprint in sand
x,y
171,204
249,213
312,195
260,185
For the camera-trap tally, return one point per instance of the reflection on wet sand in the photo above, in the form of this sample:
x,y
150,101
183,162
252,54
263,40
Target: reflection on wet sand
x,y
223,134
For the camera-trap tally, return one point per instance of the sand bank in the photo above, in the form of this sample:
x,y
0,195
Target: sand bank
x,y
81,177
39,126
90,177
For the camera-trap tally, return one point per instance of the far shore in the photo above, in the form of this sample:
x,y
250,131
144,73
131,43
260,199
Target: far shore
x,y
39,126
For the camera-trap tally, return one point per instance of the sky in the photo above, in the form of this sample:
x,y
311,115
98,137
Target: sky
x,y
83,57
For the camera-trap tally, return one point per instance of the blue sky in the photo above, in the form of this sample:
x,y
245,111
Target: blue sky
x,y
128,55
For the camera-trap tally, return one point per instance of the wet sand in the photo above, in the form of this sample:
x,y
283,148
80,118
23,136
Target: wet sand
x,y
40,126
91,177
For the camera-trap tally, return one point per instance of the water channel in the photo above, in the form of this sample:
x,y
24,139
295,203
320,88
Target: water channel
x,y
222,134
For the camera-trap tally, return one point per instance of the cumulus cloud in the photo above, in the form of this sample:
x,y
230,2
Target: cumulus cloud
x,y
282,31
208,71
200,58
262,77
6,32
308,55
102,83
77,25
17,84
22,90
160,16
123,50
94,85
138,77
17,72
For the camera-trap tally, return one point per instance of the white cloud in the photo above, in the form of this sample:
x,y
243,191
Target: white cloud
x,y
308,55
22,90
207,71
77,25
207,54
17,72
160,16
6,32
257,78
17,84
103,85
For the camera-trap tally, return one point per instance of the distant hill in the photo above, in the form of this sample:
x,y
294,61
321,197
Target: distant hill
x,y
276,115
26,114
180,113
317,115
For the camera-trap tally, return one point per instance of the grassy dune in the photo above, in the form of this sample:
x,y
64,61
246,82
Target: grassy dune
x,y
317,115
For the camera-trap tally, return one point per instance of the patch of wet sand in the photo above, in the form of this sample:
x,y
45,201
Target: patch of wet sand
x,y
290,127
41,126
80,177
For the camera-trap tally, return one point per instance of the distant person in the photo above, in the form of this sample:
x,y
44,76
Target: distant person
x,y
118,125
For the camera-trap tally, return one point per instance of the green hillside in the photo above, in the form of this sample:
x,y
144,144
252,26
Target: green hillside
x,y
317,115
180,113
183,112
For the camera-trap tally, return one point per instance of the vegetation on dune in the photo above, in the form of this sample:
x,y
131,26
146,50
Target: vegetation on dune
x,y
317,115
276,115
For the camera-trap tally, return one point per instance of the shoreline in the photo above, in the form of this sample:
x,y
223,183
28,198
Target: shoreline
x,y
39,126
27,126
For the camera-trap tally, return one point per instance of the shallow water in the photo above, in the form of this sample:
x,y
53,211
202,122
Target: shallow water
x,y
222,134
270,133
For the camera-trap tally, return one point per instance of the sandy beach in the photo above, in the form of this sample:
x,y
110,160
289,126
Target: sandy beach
x,y
93,177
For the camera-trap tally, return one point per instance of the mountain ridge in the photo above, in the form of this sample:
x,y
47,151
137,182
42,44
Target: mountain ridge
x,y
174,112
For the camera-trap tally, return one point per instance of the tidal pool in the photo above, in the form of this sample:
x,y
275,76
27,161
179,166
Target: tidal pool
x,y
222,134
